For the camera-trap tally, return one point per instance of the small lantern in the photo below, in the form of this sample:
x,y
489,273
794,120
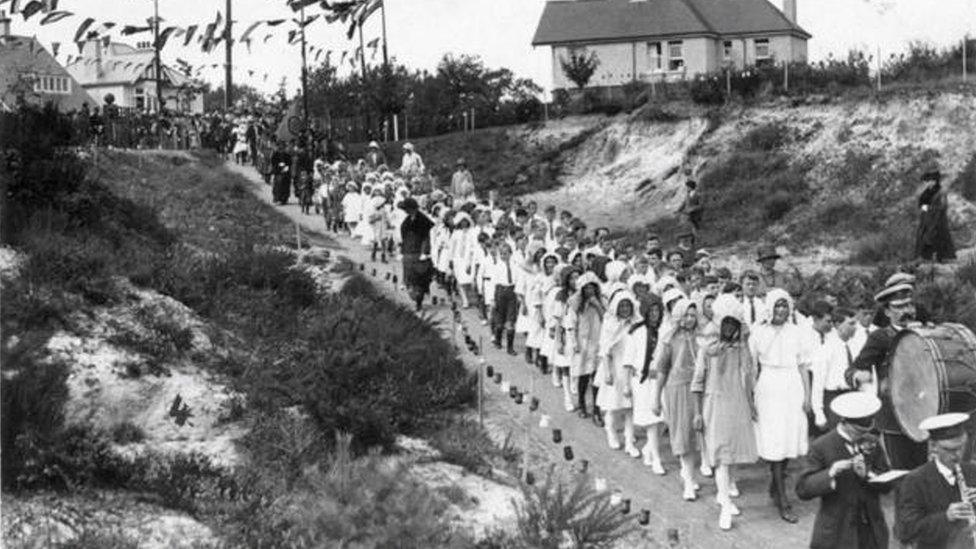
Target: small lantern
x,y
534,404
489,370
557,435
600,484
529,478
568,453
645,517
625,506
584,465
498,377
544,421
518,398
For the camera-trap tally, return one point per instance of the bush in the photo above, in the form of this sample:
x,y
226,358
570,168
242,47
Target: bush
x,y
897,244
777,205
966,182
554,516
465,443
127,433
768,137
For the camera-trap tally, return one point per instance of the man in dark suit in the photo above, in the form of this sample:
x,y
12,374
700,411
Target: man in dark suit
x,y
839,469
930,510
897,299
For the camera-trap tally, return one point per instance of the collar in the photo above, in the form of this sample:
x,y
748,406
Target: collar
x,y
946,472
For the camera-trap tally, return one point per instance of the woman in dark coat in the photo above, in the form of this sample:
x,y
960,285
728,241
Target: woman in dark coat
x,y
933,240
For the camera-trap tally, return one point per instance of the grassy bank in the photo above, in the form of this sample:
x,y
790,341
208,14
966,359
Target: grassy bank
x,y
328,380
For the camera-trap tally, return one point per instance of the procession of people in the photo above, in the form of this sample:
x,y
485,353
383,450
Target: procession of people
x,y
666,344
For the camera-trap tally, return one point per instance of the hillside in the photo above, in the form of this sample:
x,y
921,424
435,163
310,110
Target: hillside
x,y
822,178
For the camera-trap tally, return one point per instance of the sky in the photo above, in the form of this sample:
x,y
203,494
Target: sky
x,y
421,32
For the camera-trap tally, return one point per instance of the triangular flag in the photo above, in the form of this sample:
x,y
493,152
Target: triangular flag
x,y
248,44
291,36
55,16
267,37
265,77
249,30
297,5
373,43
106,41
250,73
31,8
190,31
129,30
370,9
274,22
308,20
83,27
164,36
55,46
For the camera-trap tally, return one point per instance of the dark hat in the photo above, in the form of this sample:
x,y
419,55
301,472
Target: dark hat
x,y
409,204
767,252
686,234
945,426
676,252
723,272
899,286
932,175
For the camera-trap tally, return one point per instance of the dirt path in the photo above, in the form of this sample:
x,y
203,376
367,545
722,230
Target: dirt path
x,y
695,522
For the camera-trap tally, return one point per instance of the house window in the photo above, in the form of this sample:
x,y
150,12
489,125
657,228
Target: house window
x,y
140,98
655,56
676,58
763,55
60,85
727,51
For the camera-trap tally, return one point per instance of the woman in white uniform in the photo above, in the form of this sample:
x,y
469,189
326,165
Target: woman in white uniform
x,y
782,394
614,397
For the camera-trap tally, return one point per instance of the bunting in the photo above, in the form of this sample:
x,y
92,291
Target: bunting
x,y
308,20
373,43
190,31
130,30
55,16
83,27
368,9
274,22
268,37
31,8
55,46
164,36
249,30
297,5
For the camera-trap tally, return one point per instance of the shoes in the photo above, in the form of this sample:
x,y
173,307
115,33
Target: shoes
x,y
556,379
786,513
733,490
569,405
725,519
689,493
598,418
705,470
613,441
657,468
583,414
513,352
632,451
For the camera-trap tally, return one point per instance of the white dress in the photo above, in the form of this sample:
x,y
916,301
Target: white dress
x,y
535,302
350,207
613,358
781,428
642,394
523,322
461,254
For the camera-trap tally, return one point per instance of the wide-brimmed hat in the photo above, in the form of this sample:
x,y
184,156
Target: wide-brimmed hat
x,y
589,277
374,145
408,146
408,204
461,161
898,287
352,186
767,252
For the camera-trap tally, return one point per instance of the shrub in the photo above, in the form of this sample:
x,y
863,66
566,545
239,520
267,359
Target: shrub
x,y
966,182
897,244
127,433
948,300
465,443
777,205
95,539
768,137
553,516
579,68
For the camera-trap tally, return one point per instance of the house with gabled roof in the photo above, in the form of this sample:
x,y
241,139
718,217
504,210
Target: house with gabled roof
x,y
129,74
30,74
667,40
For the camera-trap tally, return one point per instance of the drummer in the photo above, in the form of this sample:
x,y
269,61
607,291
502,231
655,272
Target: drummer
x,y
930,511
897,300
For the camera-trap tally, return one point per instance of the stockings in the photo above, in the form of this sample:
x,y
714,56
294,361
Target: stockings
x,y
777,490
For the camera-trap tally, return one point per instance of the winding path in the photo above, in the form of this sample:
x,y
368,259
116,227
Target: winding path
x,y
695,523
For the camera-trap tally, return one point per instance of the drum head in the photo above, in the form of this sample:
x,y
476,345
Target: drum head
x,y
916,383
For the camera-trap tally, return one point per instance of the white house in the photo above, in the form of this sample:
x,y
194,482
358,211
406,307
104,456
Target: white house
x,y
128,73
665,40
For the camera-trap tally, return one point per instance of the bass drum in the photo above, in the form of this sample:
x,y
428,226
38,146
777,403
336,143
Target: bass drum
x,y
933,371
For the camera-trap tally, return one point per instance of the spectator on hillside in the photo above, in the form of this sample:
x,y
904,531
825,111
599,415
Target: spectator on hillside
x,y
462,183
933,240
691,207
412,164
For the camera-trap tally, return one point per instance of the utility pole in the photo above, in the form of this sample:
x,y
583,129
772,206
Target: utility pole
x,y
228,60
965,69
386,57
159,78
304,78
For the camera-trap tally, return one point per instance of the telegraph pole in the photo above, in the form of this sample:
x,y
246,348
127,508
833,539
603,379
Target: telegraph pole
x,y
228,60
304,76
159,79
386,57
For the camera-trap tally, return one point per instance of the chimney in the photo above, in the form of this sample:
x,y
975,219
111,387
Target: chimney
x,y
789,10
4,25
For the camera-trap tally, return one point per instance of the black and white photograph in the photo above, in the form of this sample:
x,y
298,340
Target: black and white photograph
x,y
488,274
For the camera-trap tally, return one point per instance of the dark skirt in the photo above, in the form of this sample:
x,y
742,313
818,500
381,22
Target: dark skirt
x,y
417,274
282,188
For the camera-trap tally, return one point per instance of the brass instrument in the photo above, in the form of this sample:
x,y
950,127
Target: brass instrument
x,y
963,489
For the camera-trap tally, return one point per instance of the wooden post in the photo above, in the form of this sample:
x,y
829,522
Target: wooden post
x,y
396,127
965,69
728,85
472,118
298,238
879,69
481,382
786,77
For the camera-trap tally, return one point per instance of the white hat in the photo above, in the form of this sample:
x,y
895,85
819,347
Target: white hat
x,y
672,294
374,145
944,426
408,146
855,405
898,287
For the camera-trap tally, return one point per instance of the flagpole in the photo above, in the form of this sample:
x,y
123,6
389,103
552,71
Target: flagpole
x,y
159,79
304,75
362,50
228,67
386,59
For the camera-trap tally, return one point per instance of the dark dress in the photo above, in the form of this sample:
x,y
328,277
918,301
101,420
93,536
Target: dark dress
x,y
417,273
280,166
920,510
934,240
850,514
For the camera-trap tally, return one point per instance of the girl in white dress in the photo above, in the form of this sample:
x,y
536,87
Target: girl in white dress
x,y
528,321
350,207
641,343
546,280
583,321
461,252
557,299
782,394
614,398
377,214
364,231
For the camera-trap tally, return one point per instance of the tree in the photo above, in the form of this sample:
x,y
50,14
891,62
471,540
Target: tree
x,y
213,99
579,68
